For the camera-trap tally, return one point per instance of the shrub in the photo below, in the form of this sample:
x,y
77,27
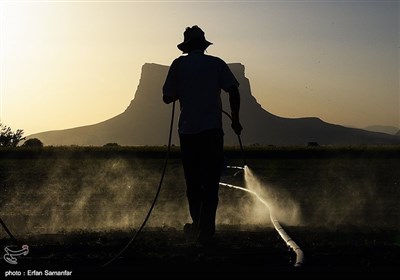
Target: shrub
x,y
9,138
111,145
33,142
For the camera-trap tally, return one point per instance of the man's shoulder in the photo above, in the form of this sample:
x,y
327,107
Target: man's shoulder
x,y
177,60
209,59
214,58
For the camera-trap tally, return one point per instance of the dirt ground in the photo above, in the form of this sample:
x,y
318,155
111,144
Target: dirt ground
x,y
240,253
348,201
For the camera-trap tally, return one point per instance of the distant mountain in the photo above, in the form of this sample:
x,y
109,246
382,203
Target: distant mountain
x,y
146,122
382,128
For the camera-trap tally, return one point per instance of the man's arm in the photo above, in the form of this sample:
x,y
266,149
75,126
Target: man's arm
x,y
234,102
170,88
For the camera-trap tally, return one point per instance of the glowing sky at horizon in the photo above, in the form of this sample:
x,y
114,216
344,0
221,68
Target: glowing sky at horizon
x,y
73,63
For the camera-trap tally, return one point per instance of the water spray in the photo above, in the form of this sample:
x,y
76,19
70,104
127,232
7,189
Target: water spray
x,y
241,169
288,240
235,167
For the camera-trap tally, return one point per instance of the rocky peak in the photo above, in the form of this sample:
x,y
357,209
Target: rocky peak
x,y
146,121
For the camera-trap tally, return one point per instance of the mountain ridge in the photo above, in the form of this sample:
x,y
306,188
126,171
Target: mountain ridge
x,y
146,122
382,128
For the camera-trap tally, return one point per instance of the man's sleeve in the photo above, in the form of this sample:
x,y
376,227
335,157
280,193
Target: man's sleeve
x,y
227,79
170,87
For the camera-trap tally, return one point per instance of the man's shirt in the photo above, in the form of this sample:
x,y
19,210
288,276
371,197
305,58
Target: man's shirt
x,y
197,80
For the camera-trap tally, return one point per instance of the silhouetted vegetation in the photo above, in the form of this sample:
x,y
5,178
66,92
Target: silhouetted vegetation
x,y
230,152
111,145
10,138
33,142
313,144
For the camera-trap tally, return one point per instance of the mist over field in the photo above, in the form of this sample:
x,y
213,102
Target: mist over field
x,y
83,194
68,192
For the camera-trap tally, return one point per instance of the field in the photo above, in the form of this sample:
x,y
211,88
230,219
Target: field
x,y
77,207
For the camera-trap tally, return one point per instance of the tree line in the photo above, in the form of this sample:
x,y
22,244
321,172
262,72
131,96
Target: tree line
x,y
11,138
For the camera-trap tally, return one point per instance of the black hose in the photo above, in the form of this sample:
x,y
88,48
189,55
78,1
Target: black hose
x,y
156,196
8,231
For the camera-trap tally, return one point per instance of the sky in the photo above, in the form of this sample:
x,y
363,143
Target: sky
x,y
65,64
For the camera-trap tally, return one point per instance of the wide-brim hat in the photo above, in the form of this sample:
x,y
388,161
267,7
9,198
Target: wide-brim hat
x,y
194,37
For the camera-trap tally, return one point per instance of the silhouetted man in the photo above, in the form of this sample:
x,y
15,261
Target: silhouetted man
x,y
196,81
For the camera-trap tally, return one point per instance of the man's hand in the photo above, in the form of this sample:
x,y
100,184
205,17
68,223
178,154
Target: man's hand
x,y
169,99
236,126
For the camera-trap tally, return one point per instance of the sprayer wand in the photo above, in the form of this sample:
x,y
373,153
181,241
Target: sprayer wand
x,y
239,139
